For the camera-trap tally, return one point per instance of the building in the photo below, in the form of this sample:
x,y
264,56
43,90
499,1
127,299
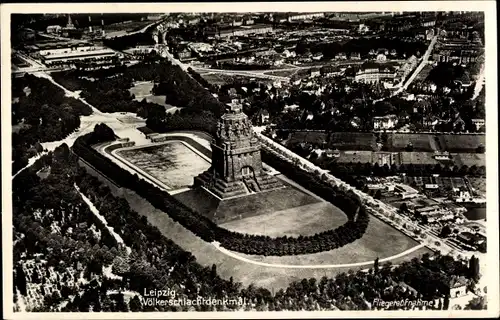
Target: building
x,y
458,286
184,54
405,192
355,56
263,116
54,29
230,31
341,56
236,168
429,210
375,72
72,54
385,122
305,16
471,238
461,51
479,123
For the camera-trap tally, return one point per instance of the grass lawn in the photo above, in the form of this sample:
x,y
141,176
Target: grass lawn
x,y
282,73
421,142
143,90
479,184
340,140
380,240
418,158
461,143
355,156
214,78
470,159
302,220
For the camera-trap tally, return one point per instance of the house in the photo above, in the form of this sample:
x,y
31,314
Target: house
x,y
479,123
317,56
332,153
341,56
355,56
184,54
429,210
385,122
308,115
381,57
404,287
54,29
458,286
363,28
470,238
291,107
263,116
463,196
315,73
464,81
405,192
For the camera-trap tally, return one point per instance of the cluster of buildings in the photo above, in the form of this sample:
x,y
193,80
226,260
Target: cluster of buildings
x,y
458,43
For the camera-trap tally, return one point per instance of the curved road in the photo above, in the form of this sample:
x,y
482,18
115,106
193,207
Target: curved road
x,y
317,266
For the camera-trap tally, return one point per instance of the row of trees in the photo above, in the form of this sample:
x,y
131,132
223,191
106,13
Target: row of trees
x,y
251,244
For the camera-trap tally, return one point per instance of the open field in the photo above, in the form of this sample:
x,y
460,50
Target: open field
x,y
469,159
282,73
172,163
338,140
479,184
303,220
418,158
355,156
421,142
143,90
461,143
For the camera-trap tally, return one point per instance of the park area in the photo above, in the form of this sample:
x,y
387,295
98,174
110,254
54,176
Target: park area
x,y
380,240
292,211
173,163
143,90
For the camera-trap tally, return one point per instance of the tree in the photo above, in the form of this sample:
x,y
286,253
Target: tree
x,y
474,268
477,303
446,303
376,266
445,231
403,207
135,304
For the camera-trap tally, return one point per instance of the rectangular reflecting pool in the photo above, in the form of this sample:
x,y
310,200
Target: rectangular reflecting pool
x,y
173,163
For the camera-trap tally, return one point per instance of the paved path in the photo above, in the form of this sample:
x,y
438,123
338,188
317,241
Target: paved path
x,y
316,266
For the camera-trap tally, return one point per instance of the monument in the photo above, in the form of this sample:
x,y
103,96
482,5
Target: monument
x,y
236,168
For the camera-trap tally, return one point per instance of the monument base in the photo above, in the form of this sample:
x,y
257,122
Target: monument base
x,y
224,189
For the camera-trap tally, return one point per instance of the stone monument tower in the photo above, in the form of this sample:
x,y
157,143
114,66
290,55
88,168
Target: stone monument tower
x,y
236,164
